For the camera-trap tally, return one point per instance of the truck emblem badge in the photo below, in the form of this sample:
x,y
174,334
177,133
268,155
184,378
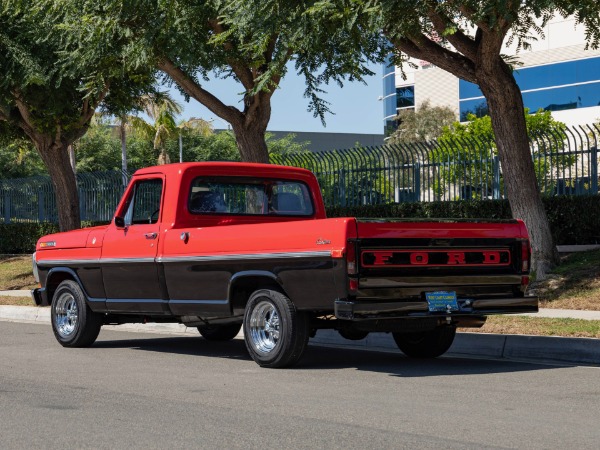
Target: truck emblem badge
x,y
322,241
435,258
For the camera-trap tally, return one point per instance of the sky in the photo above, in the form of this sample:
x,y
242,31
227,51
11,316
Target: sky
x,y
356,106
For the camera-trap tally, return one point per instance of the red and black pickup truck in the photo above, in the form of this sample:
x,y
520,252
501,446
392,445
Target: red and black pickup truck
x,y
219,246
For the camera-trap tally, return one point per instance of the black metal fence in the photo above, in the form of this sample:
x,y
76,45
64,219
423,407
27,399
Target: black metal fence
x,y
32,199
566,163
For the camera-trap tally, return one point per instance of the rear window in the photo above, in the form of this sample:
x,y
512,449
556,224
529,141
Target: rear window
x,y
249,197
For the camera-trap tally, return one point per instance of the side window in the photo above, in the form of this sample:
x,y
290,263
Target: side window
x,y
217,197
290,199
144,208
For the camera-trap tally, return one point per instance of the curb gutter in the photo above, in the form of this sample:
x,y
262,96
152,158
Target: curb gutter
x,y
499,346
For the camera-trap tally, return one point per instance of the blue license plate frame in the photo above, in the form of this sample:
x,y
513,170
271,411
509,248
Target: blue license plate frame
x,y
442,301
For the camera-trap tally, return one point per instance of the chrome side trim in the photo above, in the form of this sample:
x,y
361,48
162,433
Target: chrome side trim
x,y
198,302
136,300
252,256
67,262
125,260
171,259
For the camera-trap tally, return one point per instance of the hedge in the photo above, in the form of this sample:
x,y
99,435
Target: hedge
x,y
19,238
573,220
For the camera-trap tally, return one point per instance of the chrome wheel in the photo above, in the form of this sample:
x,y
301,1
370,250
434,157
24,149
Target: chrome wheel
x,y
264,327
276,334
66,315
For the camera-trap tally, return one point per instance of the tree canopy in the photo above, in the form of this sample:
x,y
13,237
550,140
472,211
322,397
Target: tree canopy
x,y
50,89
424,124
254,42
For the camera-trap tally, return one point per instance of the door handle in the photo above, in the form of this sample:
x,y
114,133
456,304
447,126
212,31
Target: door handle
x,y
151,235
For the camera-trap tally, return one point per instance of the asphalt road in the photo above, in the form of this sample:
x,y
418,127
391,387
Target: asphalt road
x,y
134,390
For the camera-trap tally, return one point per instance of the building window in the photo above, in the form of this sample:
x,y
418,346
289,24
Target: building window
x,y
389,106
553,87
553,99
405,97
391,125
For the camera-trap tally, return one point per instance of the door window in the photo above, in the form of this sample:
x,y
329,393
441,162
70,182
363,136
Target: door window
x,y
144,207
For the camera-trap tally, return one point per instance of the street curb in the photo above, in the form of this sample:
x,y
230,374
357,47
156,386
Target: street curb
x,y
498,346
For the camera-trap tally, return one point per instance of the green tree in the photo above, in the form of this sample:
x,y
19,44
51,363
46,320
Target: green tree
x,y
18,156
471,147
98,149
424,124
466,38
254,42
50,90
162,110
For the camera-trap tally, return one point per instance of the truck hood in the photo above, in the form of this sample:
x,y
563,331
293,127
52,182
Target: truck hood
x,y
72,239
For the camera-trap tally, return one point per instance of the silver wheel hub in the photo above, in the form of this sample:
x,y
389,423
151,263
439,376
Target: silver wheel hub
x,y
66,315
264,327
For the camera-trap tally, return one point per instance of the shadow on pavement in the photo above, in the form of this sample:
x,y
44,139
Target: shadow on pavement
x,y
331,358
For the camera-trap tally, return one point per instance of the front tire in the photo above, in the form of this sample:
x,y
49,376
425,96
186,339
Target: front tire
x,y
220,332
276,335
73,322
426,344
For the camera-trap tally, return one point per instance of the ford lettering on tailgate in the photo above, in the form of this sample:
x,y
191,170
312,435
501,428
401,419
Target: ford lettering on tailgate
x,y
435,258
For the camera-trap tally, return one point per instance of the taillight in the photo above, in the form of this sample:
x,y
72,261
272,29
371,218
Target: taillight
x,y
351,264
351,267
525,256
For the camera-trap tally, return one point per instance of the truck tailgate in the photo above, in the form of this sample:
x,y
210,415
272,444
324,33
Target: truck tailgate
x,y
475,259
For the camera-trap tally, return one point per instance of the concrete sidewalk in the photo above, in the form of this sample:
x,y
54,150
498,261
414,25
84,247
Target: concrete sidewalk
x,y
15,293
531,348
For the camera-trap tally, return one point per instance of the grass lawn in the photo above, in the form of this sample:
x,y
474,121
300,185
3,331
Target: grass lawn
x,y
575,284
539,326
15,273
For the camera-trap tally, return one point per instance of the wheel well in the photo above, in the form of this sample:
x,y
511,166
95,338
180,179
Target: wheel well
x,y
241,289
54,280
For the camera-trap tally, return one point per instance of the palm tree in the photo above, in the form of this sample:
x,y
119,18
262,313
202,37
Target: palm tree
x,y
162,109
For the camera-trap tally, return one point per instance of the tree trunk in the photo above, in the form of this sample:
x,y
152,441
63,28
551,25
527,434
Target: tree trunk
x,y
251,143
56,158
72,158
123,136
249,125
505,105
163,157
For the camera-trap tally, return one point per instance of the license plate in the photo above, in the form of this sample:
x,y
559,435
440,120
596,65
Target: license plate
x,y
441,301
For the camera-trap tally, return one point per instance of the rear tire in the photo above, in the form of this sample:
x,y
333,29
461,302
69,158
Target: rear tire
x,y
73,322
276,335
220,332
426,344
